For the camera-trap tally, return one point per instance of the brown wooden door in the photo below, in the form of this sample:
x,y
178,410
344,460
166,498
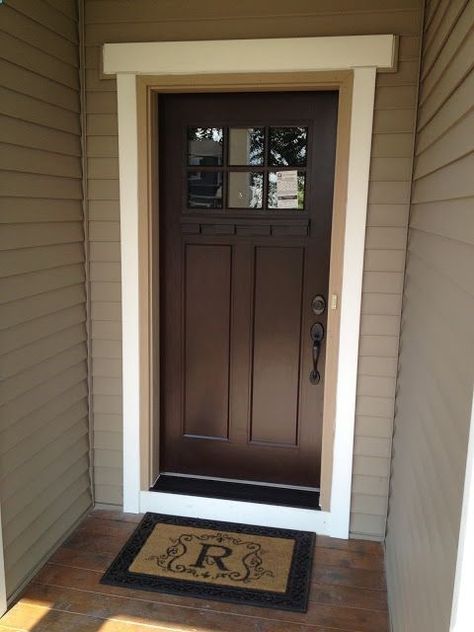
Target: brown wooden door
x,y
246,185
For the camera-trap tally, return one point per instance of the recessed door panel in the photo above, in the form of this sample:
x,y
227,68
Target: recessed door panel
x,y
276,346
207,347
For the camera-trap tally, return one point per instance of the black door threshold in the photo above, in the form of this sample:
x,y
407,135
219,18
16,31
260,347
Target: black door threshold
x,y
245,492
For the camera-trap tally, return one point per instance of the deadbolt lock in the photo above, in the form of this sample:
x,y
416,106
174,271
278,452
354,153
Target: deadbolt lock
x,y
318,304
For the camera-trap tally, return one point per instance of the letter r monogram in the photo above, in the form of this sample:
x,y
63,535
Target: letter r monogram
x,y
205,556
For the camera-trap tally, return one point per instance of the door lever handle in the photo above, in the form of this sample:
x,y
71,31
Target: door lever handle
x,y
317,335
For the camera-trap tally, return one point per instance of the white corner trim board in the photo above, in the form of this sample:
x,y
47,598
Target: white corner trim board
x,y
363,55
461,613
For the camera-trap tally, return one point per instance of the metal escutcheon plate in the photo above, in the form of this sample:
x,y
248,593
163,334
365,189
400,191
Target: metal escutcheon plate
x,y
318,305
317,332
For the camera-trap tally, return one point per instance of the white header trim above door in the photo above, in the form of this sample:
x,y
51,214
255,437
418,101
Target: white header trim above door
x,y
239,56
290,54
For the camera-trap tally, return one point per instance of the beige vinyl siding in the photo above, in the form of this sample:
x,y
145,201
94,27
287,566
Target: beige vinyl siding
x,y
44,446
437,343
145,20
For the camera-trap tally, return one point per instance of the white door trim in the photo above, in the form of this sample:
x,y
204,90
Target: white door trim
x,y
361,54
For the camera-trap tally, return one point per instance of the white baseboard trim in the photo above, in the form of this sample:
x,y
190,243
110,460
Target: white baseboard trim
x,y
107,507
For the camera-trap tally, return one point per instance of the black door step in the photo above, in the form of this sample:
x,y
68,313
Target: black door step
x,y
246,492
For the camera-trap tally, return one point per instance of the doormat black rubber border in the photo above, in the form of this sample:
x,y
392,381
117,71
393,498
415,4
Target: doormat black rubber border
x,y
295,598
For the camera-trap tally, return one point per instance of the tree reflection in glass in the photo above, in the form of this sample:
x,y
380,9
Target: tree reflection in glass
x,y
288,146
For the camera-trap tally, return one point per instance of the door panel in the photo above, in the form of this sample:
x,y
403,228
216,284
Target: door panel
x,y
207,348
276,345
246,184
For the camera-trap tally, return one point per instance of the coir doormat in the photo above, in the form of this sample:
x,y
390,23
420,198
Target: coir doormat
x,y
240,563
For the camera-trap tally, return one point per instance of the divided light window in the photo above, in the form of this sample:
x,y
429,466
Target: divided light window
x,y
246,167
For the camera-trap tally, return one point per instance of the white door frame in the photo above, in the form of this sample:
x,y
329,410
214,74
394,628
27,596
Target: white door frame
x,y
361,54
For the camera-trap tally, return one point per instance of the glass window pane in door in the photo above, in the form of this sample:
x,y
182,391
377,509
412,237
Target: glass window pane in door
x,y
246,145
205,189
288,146
286,190
245,189
205,146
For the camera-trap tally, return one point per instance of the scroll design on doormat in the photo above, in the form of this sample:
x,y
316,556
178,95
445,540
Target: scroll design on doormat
x,y
252,561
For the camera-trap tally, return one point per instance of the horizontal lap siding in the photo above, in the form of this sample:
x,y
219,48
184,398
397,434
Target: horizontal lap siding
x,y
437,343
44,445
387,214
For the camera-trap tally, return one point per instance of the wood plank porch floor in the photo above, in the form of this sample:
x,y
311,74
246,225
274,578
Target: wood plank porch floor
x,y
347,592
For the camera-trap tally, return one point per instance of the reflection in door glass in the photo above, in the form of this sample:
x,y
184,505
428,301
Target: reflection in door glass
x,y
205,146
205,189
245,189
286,189
246,145
288,146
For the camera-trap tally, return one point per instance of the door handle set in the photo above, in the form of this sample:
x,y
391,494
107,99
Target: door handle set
x,y
317,335
318,305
